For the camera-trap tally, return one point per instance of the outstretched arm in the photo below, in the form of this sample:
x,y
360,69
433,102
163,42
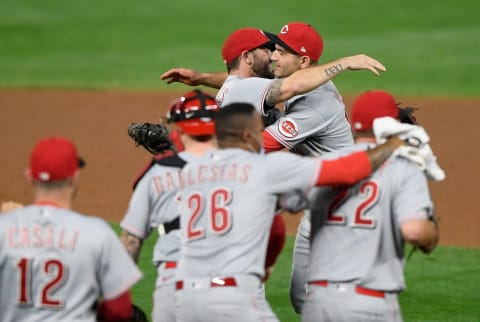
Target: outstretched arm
x,y
191,77
307,79
356,166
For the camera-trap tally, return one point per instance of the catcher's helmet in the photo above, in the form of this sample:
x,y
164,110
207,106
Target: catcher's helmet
x,y
194,113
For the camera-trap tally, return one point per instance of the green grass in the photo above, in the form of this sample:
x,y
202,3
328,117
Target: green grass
x,y
429,47
442,286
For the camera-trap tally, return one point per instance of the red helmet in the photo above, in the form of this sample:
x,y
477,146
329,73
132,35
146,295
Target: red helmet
x,y
194,113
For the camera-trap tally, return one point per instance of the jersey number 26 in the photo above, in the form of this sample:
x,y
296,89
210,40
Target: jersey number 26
x,y
215,206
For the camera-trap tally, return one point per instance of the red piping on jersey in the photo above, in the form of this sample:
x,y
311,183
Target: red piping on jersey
x,y
47,203
270,143
345,170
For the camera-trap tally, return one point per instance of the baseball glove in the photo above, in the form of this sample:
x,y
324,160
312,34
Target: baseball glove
x,y
153,137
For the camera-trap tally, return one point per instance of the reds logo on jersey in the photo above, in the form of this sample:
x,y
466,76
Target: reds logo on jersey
x,y
287,127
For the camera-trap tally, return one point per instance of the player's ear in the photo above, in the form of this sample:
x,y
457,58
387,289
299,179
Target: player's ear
x,y
247,56
73,180
28,175
304,61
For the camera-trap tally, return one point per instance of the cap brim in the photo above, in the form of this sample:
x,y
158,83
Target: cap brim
x,y
276,40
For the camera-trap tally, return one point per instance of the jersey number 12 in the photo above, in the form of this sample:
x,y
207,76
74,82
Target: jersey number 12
x,y
53,269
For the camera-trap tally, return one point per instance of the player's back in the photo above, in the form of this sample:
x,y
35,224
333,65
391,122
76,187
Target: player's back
x,y
250,90
228,206
356,232
55,263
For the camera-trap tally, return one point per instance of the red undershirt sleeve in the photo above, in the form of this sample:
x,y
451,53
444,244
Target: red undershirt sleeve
x,y
345,170
270,143
276,240
117,309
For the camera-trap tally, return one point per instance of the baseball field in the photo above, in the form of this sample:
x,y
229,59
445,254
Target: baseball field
x,y
86,69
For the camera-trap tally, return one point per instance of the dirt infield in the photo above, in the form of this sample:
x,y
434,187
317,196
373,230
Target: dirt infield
x,y
97,122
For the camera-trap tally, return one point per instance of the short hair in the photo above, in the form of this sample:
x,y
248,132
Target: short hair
x,y
233,65
232,119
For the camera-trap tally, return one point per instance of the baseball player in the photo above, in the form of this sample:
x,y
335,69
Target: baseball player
x,y
358,232
227,206
247,54
54,262
154,200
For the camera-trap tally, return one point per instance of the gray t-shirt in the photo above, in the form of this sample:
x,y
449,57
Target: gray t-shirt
x,y
314,123
55,263
356,231
228,205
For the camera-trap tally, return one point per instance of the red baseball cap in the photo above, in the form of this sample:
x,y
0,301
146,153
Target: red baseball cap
x,y
300,38
371,105
241,40
54,158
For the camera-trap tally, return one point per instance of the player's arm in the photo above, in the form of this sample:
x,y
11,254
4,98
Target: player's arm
x,y
132,243
270,143
356,166
307,79
422,233
192,77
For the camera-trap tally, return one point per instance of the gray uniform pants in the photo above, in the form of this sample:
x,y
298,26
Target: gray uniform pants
x,y
200,302
164,295
341,302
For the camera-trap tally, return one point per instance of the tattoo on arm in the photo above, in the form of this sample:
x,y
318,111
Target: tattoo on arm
x,y
274,92
132,243
333,70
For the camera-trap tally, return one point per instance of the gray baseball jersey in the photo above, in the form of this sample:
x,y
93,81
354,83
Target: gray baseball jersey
x,y
364,220
55,263
250,90
227,208
154,202
357,245
225,192
314,123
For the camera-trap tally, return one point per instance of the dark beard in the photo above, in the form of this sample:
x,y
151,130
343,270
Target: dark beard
x,y
262,70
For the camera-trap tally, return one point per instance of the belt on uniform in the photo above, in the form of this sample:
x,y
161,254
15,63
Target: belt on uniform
x,y
214,282
358,289
170,264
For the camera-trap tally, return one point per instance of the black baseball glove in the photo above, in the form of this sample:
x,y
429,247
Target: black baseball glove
x,y
153,137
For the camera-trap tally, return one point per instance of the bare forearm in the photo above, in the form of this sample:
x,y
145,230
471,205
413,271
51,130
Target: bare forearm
x,y
213,80
132,243
307,79
421,233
